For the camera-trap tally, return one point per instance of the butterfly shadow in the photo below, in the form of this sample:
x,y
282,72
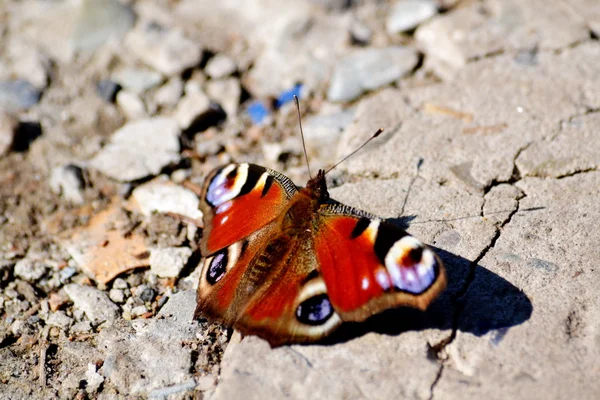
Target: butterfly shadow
x,y
476,301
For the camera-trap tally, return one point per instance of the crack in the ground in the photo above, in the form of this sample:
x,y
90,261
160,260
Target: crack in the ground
x,y
458,299
577,172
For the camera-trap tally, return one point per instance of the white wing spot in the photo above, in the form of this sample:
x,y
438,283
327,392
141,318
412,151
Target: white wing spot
x,y
221,189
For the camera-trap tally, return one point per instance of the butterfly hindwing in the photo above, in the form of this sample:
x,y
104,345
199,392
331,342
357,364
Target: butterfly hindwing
x,y
239,199
369,265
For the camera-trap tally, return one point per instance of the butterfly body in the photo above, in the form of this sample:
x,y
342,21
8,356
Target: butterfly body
x,y
289,265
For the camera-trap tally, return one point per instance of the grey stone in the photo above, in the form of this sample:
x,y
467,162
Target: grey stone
x,y
120,283
169,262
167,50
574,148
144,355
191,108
100,20
68,181
131,104
116,295
360,33
481,135
8,129
27,62
108,90
93,302
139,149
227,93
59,319
137,80
139,310
465,33
406,15
93,379
566,308
369,69
81,327
220,66
18,95
30,269
169,93
173,390
163,196
323,131
180,306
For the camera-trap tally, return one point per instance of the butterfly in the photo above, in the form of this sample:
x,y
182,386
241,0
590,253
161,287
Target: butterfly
x,y
290,265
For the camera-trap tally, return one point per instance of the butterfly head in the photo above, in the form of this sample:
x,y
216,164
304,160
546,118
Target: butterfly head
x,y
317,187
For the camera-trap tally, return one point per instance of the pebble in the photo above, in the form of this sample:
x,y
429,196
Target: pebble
x,y
27,62
360,33
30,270
68,181
163,196
220,66
131,104
120,283
164,49
369,69
169,262
116,295
191,108
137,80
59,319
169,93
93,379
148,295
406,15
139,310
18,95
93,302
8,129
81,327
100,20
180,306
205,383
139,149
227,93
108,90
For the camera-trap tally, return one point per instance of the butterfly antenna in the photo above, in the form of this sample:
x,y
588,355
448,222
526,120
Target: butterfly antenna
x,y
302,134
379,131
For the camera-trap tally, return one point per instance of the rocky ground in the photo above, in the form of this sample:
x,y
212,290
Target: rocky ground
x,y
110,112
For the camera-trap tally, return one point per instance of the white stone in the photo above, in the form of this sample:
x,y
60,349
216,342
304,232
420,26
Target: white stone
x,y
167,50
163,196
139,149
406,15
220,66
169,262
131,104
191,107
93,302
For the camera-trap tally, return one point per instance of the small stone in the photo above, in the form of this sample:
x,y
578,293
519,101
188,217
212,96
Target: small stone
x,y
137,80
27,291
8,129
81,327
169,93
66,273
220,66
132,106
108,90
139,149
93,302
360,33
68,181
406,15
170,261
163,196
148,295
27,62
227,93
139,310
93,379
120,283
99,21
192,107
59,319
369,69
18,95
180,175
180,306
166,50
116,295
30,270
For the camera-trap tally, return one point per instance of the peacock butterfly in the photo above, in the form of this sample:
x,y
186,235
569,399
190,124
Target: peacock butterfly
x,y
289,264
